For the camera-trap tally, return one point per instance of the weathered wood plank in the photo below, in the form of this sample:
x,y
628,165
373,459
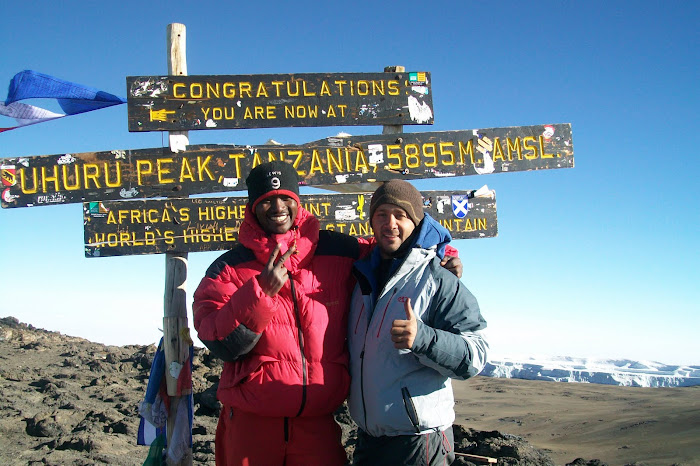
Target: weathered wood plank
x,y
331,162
155,226
158,103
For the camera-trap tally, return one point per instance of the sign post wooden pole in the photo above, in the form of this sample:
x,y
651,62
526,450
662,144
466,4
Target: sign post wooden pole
x,y
176,337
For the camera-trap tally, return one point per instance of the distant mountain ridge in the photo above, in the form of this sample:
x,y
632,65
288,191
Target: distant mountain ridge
x,y
622,372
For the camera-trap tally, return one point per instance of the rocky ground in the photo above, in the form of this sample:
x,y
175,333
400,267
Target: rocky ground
x,y
66,400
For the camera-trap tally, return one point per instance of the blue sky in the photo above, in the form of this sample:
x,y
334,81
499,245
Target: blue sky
x,y
600,260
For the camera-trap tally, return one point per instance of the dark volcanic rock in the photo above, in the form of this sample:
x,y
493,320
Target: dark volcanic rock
x,y
66,400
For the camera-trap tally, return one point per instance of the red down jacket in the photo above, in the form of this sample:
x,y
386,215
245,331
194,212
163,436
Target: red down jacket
x,y
284,355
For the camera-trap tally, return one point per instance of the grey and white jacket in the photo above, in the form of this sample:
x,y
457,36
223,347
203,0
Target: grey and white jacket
x,y
408,392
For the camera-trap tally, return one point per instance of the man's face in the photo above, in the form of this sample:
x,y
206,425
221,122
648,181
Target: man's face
x,y
392,226
276,214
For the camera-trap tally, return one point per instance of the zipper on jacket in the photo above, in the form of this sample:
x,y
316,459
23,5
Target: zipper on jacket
x,y
410,408
385,309
362,384
301,345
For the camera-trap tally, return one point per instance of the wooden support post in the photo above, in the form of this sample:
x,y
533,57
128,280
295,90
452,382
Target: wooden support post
x,y
176,337
392,129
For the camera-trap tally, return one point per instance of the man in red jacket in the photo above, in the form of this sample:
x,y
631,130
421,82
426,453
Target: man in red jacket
x,y
275,308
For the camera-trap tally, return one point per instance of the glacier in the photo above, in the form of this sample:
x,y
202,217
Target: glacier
x,y
622,372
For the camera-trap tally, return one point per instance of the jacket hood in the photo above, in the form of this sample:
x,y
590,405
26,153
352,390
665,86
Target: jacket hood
x,y
430,234
303,233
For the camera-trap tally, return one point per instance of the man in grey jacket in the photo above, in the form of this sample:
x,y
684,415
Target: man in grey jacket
x,y
413,326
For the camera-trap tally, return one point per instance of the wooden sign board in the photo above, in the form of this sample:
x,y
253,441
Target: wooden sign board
x,y
202,169
182,103
155,226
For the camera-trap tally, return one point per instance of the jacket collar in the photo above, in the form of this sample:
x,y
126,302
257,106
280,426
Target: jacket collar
x,y
430,235
304,233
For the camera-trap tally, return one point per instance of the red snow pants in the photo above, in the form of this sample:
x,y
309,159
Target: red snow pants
x,y
246,439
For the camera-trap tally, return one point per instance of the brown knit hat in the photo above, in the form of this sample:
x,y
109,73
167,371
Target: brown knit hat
x,y
400,193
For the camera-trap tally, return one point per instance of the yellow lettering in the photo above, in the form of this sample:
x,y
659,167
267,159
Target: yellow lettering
x,y
412,159
296,89
316,165
391,155
186,170
497,150
91,171
314,209
466,150
324,89
297,161
66,178
361,164
393,87
514,146
544,155
306,92
533,148
143,167
443,151
177,95
332,161
245,88
202,167
277,85
23,182
163,170
196,90
118,182
150,238
135,216
229,90
362,87
213,90
237,161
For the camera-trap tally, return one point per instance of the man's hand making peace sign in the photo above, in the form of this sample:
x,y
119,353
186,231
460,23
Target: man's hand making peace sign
x,y
274,275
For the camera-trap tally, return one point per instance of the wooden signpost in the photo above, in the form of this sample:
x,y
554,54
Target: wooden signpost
x,y
108,183
334,161
156,226
157,103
